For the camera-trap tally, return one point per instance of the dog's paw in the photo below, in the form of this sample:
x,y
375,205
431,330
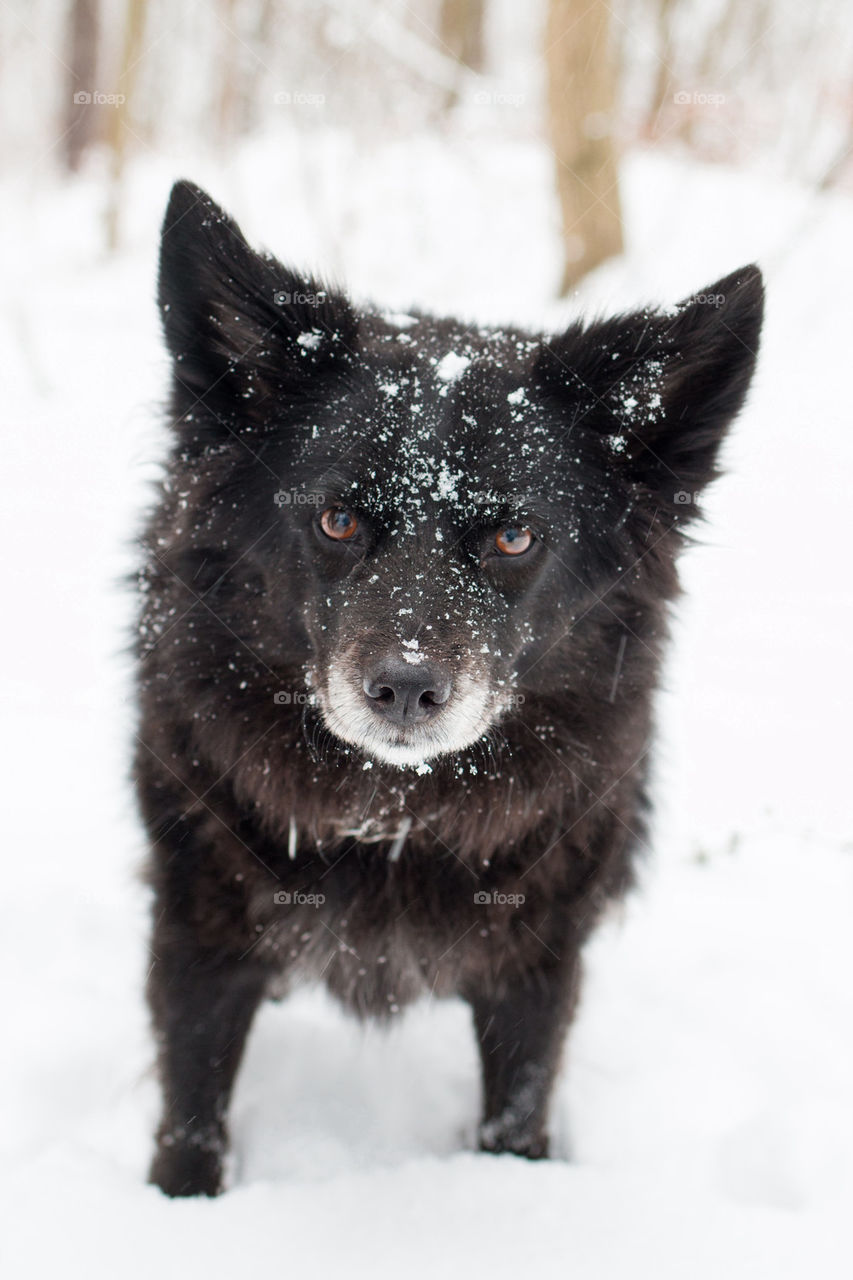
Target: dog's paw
x,y
506,1134
187,1168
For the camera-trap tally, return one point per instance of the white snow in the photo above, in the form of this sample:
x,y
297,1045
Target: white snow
x,y
399,319
411,653
451,366
705,1098
310,340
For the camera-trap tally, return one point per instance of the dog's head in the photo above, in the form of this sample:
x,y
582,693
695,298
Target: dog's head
x,y
424,512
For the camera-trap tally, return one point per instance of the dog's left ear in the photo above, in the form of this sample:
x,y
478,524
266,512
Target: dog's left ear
x,y
661,389
245,333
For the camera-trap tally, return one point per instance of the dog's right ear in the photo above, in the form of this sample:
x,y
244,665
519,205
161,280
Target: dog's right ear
x,y
247,336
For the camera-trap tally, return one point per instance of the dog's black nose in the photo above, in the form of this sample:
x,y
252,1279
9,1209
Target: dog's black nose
x,y
406,693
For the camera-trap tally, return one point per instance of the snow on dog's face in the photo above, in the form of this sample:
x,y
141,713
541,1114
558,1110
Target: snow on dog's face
x,y
415,642
424,558
422,512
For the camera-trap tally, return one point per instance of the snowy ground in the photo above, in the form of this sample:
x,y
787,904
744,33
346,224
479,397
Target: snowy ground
x,y
706,1098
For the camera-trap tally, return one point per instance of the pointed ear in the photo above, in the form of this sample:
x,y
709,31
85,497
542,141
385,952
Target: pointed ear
x,y
661,389
241,328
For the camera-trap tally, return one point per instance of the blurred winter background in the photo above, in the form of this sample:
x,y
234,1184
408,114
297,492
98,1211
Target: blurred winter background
x,y
511,161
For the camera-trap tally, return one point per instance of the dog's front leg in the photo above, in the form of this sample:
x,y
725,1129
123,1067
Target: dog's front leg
x,y
202,1004
520,1029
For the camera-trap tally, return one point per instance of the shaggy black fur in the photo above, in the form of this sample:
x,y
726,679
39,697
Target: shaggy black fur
x,y
280,852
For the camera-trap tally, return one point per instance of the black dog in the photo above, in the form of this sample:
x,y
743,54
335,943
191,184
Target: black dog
x,y
405,594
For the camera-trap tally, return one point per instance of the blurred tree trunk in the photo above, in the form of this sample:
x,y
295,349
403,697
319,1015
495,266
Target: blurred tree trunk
x,y
118,128
461,31
81,116
460,34
661,107
581,110
227,104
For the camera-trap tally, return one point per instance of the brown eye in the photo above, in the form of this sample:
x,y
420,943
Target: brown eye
x,y
337,523
513,540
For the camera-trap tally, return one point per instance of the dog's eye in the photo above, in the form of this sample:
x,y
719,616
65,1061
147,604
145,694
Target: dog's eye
x,y
513,540
338,523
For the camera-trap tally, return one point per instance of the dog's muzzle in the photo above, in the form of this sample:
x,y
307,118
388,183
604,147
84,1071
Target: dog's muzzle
x,y
405,707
